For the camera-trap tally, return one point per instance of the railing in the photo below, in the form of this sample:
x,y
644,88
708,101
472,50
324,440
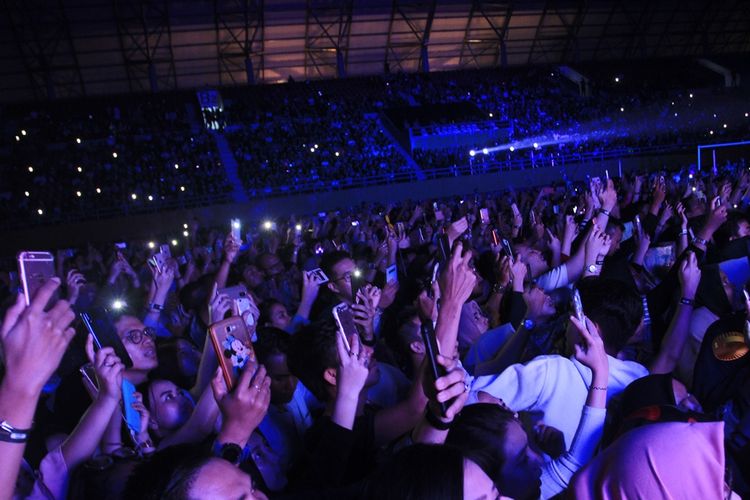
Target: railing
x,y
480,164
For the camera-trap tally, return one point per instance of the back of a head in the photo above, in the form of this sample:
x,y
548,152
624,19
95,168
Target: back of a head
x,y
271,341
420,472
168,474
311,352
614,307
479,431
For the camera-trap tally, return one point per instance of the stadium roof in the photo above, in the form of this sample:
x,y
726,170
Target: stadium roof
x,y
75,48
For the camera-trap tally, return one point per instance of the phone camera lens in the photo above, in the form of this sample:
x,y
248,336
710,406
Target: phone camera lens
x,y
229,329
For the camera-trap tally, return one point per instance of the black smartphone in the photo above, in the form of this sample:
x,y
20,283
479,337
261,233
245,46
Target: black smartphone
x,y
105,335
431,351
507,248
358,282
444,249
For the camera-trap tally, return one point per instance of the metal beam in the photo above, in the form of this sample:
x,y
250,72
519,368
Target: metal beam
x,y
492,17
239,26
327,30
41,32
409,28
144,32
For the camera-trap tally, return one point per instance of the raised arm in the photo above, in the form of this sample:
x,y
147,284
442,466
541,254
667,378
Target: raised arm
x,y
676,336
33,343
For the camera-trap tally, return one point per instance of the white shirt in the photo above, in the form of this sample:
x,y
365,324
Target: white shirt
x,y
554,386
554,278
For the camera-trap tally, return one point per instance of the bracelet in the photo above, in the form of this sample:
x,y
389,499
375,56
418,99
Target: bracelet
x,y
684,232
435,422
604,211
700,241
600,262
155,307
595,388
687,302
10,434
498,288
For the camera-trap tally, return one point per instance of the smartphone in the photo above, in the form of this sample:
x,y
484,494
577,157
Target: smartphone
x,y
432,349
444,250
495,237
555,209
164,250
421,235
578,307
484,215
241,301
105,335
236,226
358,282
34,270
319,249
344,317
121,245
88,375
532,217
233,347
157,261
606,174
718,202
391,274
507,248
129,414
400,229
319,276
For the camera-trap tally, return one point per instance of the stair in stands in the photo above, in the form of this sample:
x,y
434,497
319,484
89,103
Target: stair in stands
x,y
389,129
229,163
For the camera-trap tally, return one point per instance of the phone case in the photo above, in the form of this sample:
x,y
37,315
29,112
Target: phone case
x,y
391,274
34,269
345,321
129,414
233,347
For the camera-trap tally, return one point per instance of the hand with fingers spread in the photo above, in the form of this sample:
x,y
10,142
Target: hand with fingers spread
x,y
34,340
451,388
457,279
245,406
351,375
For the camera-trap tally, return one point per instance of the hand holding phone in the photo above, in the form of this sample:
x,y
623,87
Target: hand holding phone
x,y
432,349
578,307
103,334
233,347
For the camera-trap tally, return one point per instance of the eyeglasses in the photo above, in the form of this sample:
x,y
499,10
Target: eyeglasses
x,y
136,336
347,277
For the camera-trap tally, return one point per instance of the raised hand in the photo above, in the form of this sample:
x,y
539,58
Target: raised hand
x,y
34,340
218,306
108,368
590,350
457,279
231,248
457,228
244,408
451,386
74,281
689,275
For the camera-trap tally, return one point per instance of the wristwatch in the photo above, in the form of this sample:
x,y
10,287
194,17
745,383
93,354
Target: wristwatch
x,y
593,269
231,452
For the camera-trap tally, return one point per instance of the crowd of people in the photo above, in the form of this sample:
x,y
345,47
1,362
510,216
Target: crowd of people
x,y
139,155
583,340
92,158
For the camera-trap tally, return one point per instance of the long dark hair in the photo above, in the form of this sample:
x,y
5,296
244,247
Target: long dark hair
x,y
420,472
